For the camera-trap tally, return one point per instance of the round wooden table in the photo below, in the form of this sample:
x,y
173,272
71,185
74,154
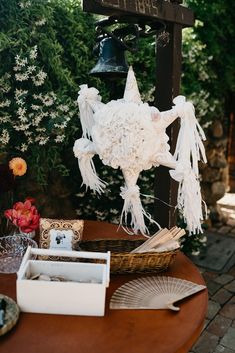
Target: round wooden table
x,y
119,331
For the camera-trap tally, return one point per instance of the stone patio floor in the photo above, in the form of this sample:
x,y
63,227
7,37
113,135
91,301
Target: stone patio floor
x,y
217,265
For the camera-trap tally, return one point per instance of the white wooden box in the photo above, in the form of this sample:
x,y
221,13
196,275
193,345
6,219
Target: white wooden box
x,y
69,298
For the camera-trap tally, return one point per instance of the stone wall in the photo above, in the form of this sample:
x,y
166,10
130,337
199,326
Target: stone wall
x,y
215,174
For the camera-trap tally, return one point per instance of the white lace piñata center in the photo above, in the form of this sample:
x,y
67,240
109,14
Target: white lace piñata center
x,y
125,136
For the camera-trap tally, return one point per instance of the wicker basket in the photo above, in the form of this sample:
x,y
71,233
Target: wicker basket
x,y
122,261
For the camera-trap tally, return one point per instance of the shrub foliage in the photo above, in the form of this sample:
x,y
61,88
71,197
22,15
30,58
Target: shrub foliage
x,y
46,52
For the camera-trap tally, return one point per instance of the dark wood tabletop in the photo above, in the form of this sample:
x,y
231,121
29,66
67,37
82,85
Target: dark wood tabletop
x,y
119,331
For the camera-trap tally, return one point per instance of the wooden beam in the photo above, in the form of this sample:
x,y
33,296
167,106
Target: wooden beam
x,y
154,9
168,75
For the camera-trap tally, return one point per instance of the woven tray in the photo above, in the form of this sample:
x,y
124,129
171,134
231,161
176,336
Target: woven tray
x,y
122,261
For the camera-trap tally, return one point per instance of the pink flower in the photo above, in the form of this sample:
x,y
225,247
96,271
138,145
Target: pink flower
x,y
31,199
24,215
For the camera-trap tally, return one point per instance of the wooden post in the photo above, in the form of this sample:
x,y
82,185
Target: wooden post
x,y
168,74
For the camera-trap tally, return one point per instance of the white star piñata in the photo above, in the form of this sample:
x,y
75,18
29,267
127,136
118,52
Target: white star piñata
x,y
131,135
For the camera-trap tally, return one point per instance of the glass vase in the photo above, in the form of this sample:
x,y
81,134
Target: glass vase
x,y
29,235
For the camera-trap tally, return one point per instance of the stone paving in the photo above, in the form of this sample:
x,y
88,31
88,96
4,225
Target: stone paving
x,y
219,330
217,265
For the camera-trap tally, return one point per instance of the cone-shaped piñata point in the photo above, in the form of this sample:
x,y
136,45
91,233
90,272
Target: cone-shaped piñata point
x,y
132,93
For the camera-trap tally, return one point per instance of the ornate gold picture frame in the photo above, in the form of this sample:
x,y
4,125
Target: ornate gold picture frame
x,y
72,228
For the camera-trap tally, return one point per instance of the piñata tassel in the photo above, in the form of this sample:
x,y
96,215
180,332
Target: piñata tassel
x,y
83,150
88,99
133,206
189,201
189,150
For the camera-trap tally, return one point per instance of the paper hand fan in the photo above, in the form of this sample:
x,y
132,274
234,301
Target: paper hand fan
x,y
159,292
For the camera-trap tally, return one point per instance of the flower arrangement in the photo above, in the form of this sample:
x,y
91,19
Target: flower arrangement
x,y
18,166
9,172
24,215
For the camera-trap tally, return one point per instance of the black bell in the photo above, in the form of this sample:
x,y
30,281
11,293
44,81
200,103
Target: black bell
x,y
112,62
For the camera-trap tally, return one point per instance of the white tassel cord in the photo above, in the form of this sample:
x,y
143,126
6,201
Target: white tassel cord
x,y
190,202
83,150
87,99
132,205
89,176
189,147
189,150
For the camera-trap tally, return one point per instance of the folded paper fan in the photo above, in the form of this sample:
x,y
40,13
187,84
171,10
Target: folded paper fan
x,y
159,292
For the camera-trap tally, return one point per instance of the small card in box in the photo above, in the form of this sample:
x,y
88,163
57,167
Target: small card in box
x,y
83,293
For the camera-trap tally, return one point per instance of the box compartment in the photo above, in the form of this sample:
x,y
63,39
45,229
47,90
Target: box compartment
x,y
83,293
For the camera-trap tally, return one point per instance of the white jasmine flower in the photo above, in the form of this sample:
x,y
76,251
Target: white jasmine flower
x,y
33,52
59,138
18,96
20,92
61,126
39,79
35,107
22,77
20,62
20,102
22,127
53,115
48,101
64,124
53,95
64,108
36,96
101,215
43,140
23,147
42,75
17,59
17,68
31,69
24,4
40,22
4,137
30,140
36,121
21,111
23,119
5,103
41,129
5,119
4,86
114,211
